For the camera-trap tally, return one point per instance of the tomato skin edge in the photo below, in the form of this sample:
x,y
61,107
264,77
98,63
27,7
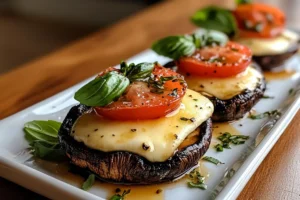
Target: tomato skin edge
x,y
138,113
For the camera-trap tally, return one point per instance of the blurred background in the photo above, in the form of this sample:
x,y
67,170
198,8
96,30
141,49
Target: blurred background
x,y
32,28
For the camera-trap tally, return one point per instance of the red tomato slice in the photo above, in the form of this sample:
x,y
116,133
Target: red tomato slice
x,y
217,61
259,20
139,102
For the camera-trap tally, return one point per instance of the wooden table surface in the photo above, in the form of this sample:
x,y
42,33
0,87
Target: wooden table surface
x,y
278,177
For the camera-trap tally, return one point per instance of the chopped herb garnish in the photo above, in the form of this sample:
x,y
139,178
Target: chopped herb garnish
x,y
291,91
234,49
212,160
267,97
184,118
174,93
197,181
265,114
89,182
219,147
120,196
227,139
195,99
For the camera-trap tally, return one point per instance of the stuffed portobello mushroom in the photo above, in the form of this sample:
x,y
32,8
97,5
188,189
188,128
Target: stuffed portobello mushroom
x,y
137,124
259,26
217,68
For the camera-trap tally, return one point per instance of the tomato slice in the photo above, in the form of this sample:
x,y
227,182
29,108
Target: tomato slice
x,y
259,20
141,102
217,61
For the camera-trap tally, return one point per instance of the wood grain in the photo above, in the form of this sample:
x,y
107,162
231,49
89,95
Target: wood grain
x,y
278,176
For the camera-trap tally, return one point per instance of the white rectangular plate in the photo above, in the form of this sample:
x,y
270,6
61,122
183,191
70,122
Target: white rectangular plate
x,y
224,182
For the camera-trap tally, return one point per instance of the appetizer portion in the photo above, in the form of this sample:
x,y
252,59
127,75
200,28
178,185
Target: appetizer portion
x,y
221,70
259,26
138,124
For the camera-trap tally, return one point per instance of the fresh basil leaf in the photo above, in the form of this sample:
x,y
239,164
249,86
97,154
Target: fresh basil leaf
x,y
102,90
46,131
242,1
47,152
212,160
175,46
43,139
210,37
140,71
119,196
49,127
89,182
215,18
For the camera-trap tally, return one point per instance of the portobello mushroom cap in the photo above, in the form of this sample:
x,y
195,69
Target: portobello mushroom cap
x,y
236,107
126,167
270,62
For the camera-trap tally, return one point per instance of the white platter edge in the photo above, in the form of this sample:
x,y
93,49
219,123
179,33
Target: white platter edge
x,y
237,183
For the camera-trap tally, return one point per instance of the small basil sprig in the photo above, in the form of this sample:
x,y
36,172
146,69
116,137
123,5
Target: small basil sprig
x,y
102,90
215,18
105,89
185,45
43,139
137,72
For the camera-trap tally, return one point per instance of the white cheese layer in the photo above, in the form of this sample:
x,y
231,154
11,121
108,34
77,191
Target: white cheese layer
x,y
225,88
156,140
271,46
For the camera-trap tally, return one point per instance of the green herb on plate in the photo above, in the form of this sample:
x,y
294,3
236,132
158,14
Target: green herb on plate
x,y
212,160
43,139
120,196
265,114
268,97
89,182
196,180
227,139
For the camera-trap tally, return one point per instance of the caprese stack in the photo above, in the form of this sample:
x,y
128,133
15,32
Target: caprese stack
x,y
219,69
259,26
137,124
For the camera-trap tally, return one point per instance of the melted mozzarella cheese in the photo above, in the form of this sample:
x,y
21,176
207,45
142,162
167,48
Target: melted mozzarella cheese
x,y
271,46
156,140
225,88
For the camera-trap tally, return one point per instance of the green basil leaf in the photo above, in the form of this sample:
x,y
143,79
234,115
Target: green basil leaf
x,y
242,1
47,152
140,71
32,136
49,128
102,90
215,18
210,37
212,160
89,182
46,131
43,139
175,46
